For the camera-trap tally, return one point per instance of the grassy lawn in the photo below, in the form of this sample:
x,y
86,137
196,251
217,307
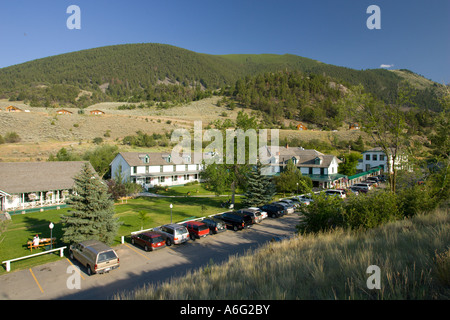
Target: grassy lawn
x,y
22,228
193,189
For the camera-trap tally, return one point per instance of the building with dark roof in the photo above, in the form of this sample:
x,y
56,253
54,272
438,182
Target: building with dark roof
x,y
25,185
321,168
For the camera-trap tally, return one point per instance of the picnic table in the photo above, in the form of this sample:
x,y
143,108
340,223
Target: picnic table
x,y
42,243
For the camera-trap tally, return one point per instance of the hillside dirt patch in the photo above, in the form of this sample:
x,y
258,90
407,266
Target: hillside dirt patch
x,y
43,131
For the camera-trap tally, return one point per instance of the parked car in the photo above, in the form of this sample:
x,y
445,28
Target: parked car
x,y
371,183
274,210
215,225
363,184
235,221
290,202
336,193
255,214
173,233
296,202
350,191
149,240
382,178
374,179
288,207
263,213
305,199
196,229
96,256
362,189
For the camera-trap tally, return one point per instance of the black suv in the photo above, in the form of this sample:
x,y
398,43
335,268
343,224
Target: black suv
x,y
274,210
215,225
235,220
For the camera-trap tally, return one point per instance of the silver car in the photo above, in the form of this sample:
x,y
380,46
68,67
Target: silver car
x,y
173,233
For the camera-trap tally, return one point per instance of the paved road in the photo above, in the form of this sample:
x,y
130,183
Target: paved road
x,y
138,267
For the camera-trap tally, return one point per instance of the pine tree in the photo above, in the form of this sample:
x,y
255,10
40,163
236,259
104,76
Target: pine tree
x,y
92,210
260,189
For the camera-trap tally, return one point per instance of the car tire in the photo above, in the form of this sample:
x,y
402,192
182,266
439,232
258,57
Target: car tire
x,y
89,270
132,241
235,228
146,248
168,242
71,255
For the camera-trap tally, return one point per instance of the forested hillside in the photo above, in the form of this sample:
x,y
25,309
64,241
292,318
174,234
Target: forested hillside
x,y
157,72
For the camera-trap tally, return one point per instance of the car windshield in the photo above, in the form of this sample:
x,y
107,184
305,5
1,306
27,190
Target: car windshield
x,y
106,255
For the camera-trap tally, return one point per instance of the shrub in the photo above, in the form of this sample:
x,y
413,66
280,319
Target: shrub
x,y
2,141
12,137
371,210
359,212
321,215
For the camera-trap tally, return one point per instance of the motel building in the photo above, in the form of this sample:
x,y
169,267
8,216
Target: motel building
x,y
158,169
32,186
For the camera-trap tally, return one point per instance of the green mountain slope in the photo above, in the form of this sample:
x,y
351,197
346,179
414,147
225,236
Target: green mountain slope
x,y
136,72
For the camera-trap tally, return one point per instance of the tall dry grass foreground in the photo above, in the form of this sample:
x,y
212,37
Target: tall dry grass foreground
x,y
413,256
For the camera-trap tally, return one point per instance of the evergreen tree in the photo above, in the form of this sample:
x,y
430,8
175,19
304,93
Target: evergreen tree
x,y
92,213
260,189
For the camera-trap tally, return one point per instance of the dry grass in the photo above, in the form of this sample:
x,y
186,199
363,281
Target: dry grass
x,y
328,266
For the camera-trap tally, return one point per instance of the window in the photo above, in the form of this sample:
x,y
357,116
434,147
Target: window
x,y
381,157
374,157
163,179
368,157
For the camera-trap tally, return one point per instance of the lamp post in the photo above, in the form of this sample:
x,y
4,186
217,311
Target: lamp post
x,y
51,225
171,206
297,188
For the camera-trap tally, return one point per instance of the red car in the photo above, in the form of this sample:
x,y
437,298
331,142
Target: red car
x,y
149,240
197,229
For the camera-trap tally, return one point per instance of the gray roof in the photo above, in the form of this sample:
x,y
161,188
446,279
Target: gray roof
x,y
305,157
135,159
23,177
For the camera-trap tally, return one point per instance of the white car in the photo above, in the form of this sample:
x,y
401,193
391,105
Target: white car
x,y
335,192
305,200
263,213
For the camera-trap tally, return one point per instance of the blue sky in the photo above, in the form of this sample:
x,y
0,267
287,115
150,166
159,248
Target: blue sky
x,y
414,34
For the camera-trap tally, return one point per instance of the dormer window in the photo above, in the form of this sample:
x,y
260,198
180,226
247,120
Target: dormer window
x,y
144,158
318,161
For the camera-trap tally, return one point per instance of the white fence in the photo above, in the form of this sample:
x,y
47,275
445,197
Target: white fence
x,y
8,262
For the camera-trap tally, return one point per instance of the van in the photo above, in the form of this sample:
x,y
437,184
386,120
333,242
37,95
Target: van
x,y
96,256
197,229
150,240
173,233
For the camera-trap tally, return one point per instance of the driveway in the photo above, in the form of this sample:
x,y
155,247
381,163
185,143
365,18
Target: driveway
x,y
60,280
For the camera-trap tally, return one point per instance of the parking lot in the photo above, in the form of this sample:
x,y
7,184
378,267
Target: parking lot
x,y
60,280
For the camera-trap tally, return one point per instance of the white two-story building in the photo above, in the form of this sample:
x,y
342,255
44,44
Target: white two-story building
x,y
376,157
321,168
152,169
